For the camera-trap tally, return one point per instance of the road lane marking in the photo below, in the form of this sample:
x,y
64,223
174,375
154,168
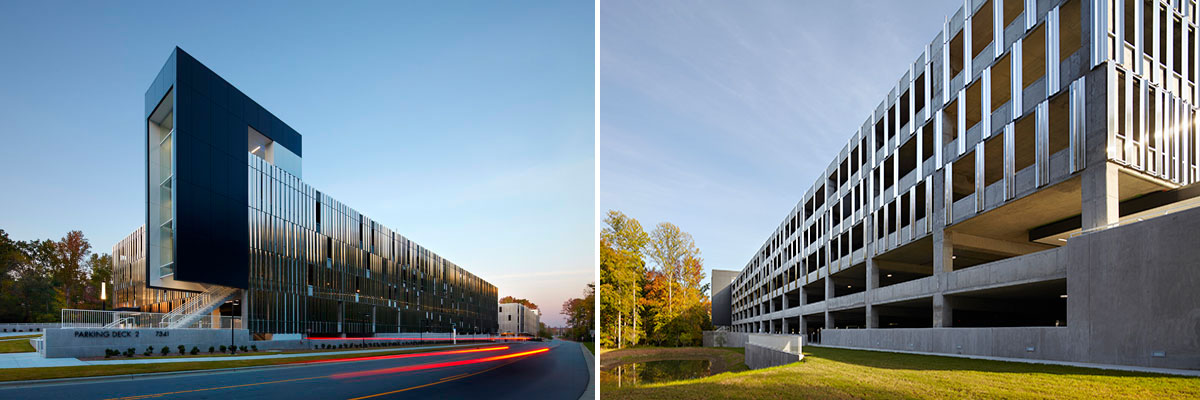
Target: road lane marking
x,y
435,383
146,396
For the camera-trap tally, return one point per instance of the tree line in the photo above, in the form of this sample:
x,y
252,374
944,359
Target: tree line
x,y
581,315
663,302
524,302
39,278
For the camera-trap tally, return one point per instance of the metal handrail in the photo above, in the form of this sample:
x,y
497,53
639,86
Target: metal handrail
x,y
72,318
119,322
197,303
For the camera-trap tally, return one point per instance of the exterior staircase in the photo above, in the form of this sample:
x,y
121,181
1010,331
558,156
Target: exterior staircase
x,y
198,307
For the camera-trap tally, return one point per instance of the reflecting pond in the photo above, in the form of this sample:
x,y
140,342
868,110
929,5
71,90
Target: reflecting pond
x,y
656,371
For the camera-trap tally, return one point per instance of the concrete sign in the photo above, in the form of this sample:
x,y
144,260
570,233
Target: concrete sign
x,y
91,342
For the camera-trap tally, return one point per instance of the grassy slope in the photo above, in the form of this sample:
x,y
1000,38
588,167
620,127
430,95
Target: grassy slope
x,y
591,346
20,374
837,373
16,345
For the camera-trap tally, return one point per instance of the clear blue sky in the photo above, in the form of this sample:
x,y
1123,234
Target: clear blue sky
x,y
467,127
717,116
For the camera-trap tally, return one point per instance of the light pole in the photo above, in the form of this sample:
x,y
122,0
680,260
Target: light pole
x,y
231,341
103,297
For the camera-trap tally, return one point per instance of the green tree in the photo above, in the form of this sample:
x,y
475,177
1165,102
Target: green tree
x,y
581,314
622,243
672,250
41,277
99,271
71,273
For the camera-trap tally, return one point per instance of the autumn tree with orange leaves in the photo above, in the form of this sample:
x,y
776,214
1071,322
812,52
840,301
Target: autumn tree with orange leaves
x,y
666,296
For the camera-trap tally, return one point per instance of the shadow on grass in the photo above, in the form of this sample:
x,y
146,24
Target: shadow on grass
x,y
921,362
772,383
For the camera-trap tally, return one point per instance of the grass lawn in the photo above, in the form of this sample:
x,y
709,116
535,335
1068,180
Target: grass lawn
x,y
838,373
21,374
591,346
17,344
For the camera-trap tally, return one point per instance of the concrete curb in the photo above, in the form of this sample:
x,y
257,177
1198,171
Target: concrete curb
x,y
153,375
131,377
1164,371
590,392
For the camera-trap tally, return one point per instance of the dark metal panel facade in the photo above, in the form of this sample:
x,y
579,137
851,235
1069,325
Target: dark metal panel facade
x,y
309,263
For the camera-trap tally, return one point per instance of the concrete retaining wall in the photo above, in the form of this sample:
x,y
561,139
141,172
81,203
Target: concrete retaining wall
x,y
724,339
763,357
784,343
1039,343
1134,293
762,350
91,342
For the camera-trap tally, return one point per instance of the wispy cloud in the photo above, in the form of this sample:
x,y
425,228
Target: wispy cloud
x,y
544,274
718,116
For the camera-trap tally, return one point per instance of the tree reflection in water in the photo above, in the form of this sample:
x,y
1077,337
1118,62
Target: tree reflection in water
x,y
633,374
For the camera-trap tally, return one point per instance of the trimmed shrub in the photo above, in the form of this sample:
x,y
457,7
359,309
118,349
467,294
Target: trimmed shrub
x,y
149,351
254,347
210,349
165,350
130,352
242,348
195,350
222,348
182,350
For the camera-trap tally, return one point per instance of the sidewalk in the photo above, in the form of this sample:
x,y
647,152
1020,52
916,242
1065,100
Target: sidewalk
x,y
33,360
590,392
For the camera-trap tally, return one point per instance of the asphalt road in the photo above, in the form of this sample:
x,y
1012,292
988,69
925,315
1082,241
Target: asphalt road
x,y
522,371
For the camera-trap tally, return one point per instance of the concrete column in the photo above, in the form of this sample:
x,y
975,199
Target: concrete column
x,y
1101,204
943,312
828,288
828,295
785,325
943,265
872,319
1100,199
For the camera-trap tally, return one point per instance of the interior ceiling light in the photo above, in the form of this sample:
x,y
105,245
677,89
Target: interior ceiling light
x,y
1062,296
256,149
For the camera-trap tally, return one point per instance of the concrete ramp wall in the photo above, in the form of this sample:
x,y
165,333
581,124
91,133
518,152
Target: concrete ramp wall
x,y
1038,343
764,351
724,339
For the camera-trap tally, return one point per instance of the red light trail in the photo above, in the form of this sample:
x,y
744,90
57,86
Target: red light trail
x,y
436,353
497,338
420,367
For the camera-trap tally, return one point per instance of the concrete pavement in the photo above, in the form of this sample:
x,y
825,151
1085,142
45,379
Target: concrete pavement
x,y
590,392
